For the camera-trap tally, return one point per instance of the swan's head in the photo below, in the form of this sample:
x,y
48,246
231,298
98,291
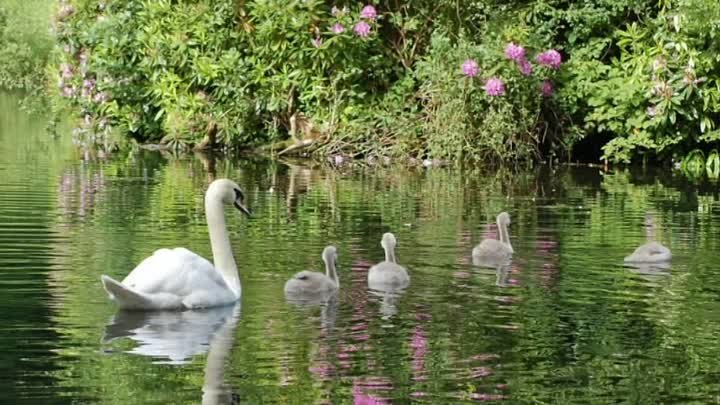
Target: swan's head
x,y
649,220
388,241
329,255
504,218
228,192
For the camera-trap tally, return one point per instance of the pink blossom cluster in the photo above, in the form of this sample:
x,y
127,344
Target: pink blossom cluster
x,y
516,53
368,12
470,68
550,58
495,86
362,28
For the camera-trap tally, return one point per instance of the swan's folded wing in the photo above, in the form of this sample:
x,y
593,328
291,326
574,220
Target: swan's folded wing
x,y
171,270
304,275
125,297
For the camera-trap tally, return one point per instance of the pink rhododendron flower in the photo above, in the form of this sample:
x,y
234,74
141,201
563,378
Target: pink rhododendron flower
x,y
525,67
515,52
550,58
470,68
368,12
338,28
362,29
494,87
68,91
67,71
547,88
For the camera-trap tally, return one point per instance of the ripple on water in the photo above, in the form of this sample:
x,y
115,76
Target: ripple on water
x,y
565,322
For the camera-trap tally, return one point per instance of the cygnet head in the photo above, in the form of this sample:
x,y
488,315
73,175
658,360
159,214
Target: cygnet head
x,y
329,255
388,241
228,192
504,218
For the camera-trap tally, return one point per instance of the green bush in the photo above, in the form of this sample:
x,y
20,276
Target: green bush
x,y
181,73
644,72
24,45
237,72
177,73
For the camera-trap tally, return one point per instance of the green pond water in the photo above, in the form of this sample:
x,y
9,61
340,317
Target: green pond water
x,y
566,323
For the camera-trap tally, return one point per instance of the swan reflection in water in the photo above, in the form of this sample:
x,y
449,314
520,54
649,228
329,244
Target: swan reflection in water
x,y
388,299
326,301
501,266
174,337
650,271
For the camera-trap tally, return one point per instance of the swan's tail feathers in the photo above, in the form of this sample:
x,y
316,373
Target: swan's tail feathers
x,y
123,296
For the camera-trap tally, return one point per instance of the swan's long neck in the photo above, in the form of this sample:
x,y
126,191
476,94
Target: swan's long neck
x,y
504,235
390,254
220,242
331,272
650,232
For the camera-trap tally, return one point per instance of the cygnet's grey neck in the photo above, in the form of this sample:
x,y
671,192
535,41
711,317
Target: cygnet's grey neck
x,y
390,253
503,233
330,270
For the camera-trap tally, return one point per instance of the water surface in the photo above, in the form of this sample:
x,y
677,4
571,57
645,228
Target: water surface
x,y
565,323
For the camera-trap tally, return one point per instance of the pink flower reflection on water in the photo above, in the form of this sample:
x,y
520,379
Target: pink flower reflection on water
x,y
477,396
323,370
419,346
363,394
478,372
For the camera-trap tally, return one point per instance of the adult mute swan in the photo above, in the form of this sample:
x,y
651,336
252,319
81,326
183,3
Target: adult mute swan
x,y
651,252
388,273
311,283
493,251
180,279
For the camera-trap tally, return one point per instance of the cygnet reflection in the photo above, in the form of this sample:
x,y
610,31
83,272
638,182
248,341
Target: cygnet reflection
x,y
650,271
388,299
328,304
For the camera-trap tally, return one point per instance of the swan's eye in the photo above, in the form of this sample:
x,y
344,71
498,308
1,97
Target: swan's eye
x,y
239,194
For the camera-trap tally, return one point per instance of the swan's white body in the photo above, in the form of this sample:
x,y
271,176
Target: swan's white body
x,y
180,279
388,274
493,252
651,252
311,283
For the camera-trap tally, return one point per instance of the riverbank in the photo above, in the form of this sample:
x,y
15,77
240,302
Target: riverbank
x,y
480,84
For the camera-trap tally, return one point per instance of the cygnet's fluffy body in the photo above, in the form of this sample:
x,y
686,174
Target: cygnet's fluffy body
x,y
388,273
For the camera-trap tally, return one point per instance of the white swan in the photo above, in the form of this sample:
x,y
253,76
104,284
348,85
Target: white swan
x,y
180,279
651,252
492,252
388,274
311,283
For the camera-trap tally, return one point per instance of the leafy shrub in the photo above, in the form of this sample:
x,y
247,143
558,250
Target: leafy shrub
x,y
388,79
651,84
178,73
24,45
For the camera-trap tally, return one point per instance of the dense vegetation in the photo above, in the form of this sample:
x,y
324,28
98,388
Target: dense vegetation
x,y
479,80
25,44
